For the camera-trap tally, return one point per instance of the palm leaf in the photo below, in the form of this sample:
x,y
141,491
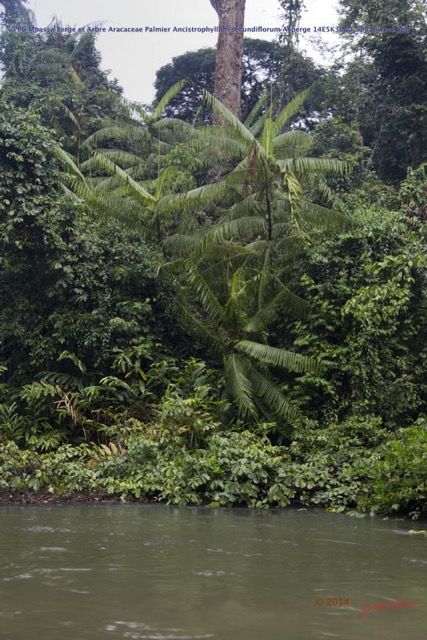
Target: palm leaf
x,y
181,245
237,229
277,357
207,298
139,192
117,132
123,158
241,387
298,140
84,40
314,165
69,115
175,127
229,118
274,399
269,312
224,144
267,138
256,109
202,195
289,111
171,93
212,335
68,160
322,217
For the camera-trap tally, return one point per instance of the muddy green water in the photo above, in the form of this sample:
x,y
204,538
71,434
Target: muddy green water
x,y
130,571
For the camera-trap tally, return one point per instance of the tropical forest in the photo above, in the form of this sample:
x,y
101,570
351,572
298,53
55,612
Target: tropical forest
x,y
219,298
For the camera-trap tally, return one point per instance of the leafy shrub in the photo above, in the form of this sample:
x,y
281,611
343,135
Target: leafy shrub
x,y
397,474
366,294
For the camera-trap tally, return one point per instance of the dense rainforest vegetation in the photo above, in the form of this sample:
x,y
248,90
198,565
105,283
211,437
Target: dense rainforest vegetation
x,y
202,309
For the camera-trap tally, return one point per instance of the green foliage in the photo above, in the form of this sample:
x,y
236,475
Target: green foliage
x,y
67,282
383,88
366,295
413,193
333,138
185,456
236,266
102,392
397,474
58,76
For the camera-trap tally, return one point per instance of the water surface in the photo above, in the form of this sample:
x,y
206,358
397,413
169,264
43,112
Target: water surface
x,y
92,572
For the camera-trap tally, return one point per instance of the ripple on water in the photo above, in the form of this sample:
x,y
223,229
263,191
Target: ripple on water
x,y
415,560
48,571
40,529
139,630
209,573
234,553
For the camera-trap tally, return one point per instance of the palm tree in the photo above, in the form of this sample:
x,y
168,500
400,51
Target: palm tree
x,y
268,199
236,268
118,170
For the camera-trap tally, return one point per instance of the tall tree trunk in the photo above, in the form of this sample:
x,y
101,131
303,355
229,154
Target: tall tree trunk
x,y
229,53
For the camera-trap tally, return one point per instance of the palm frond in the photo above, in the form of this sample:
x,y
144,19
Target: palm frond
x,y
226,145
180,245
161,184
205,295
267,138
289,111
245,206
322,217
68,160
137,191
277,357
84,40
235,309
171,93
53,55
107,203
241,387
269,312
117,132
220,110
176,127
123,158
316,165
256,109
237,229
202,328
298,140
69,114
273,398
257,127
202,195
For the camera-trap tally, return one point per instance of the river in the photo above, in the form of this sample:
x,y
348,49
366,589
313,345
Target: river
x,y
92,572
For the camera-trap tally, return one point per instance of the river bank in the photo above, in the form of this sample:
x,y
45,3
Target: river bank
x,y
35,498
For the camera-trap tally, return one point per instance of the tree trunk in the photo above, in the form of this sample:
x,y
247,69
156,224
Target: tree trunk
x,y
229,53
